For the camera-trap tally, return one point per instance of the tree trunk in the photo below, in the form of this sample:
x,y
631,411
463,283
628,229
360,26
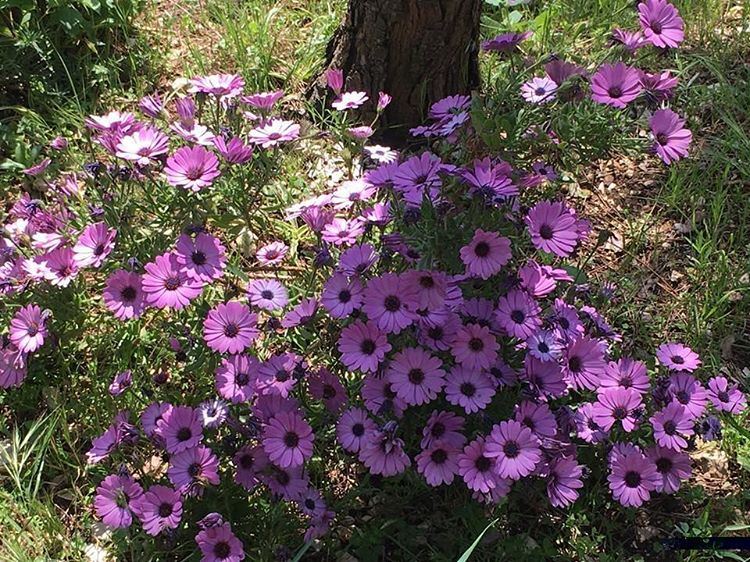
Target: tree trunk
x,y
418,51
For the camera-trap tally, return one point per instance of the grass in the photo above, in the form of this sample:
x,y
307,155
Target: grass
x,y
691,285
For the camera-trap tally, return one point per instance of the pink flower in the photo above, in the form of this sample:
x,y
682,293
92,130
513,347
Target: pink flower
x,y
192,168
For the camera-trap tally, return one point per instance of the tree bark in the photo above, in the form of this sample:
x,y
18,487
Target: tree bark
x,y
418,51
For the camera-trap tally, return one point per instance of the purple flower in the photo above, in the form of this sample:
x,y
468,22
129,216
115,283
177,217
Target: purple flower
x,y
202,258
288,439
677,357
384,100
380,398
383,453
626,373
166,285
726,397
390,301
672,466
180,428
264,100
544,377
274,132
213,413
615,85
352,427
121,383
342,296
505,42
416,376
94,244
38,169
661,23
438,464
230,327
477,468
671,426
560,71
192,168
287,482
671,137
123,295
486,178
686,390
335,79
443,428
538,418
234,151
363,346
160,508
302,314
631,40
539,90
276,376
632,478
191,469
28,328
583,363
327,387
219,85
617,405
59,143
474,347
658,86
343,232
250,461
235,378
518,314
349,100
111,122
486,254
418,177
515,450
553,228
272,253
151,105
357,260
117,500
469,389
267,294
563,481
143,146
219,544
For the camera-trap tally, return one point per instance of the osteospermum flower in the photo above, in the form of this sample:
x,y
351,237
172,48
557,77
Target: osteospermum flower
x,y
236,376
383,453
326,386
515,449
476,467
540,89
686,390
439,333
438,464
486,254
272,253
616,85
616,405
250,462
219,544
234,150
202,258
673,467
564,479
416,376
583,363
180,427
116,500
661,23
672,138
277,374
350,100
286,482
586,427
469,389
288,439
263,100
390,301
219,85
363,346
351,429
343,232
632,478
143,146
28,328
230,327
94,244
124,296
380,398
166,284
726,397
505,42
518,314
159,508
626,373
357,260
121,382
537,417
193,468
192,168
443,427
341,296
671,426
544,377
274,132
543,345
474,347
677,357
267,294
302,314
631,40
553,228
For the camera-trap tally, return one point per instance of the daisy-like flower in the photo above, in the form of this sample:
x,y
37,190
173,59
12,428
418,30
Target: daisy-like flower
x,y
230,327
202,258
350,100
357,260
677,357
151,415
219,544
352,191
111,122
267,294
418,177
617,405
166,285
219,85
631,40
213,413
490,180
658,87
476,467
160,508
94,244
661,23
518,314
263,100
121,382
382,154
416,376
673,467
486,254
686,390
586,427
116,500
272,253
438,464
537,417
540,89
671,426
390,301
28,328
543,345
564,479
352,427
474,347
544,377
469,389
274,132
342,296
443,427
180,427
515,450
583,363
151,105
632,478
236,376
195,134
192,168
277,374
288,439
616,85
380,398
671,137
143,146
506,43
327,387
726,397
233,151
553,228
250,461
343,232
301,315
439,333
560,71
383,453
192,469
286,482
123,295
626,373
363,346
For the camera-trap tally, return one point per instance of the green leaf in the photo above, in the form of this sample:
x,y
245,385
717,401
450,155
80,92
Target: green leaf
x,y
514,17
465,555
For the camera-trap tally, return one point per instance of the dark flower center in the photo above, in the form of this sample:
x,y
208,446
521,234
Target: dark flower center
x,y
367,347
575,364
528,422
438,429
426,282
619,413
283,478
246,461
328,392
615,92
222,549
267,295
310,504
231,330
632,479
663,465
99,250
546,232
723,396
482,249
198,258
564,323
468,389
511,449
165,509
482,464
670,428
345,296
33,329
241,379
291,439
274,136
476,344
194,173
194,469
358,429
543,347
184,433
540,91
388,392
435,333
517,316
626,382
172,283
438,456
678,359
282,375
656,27
416,376
662,138
128,293
392,303
682,397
